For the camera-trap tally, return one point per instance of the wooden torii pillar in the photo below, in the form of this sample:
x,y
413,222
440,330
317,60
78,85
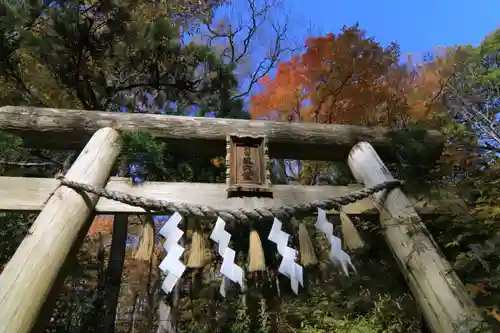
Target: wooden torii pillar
x,y
441,296
30,274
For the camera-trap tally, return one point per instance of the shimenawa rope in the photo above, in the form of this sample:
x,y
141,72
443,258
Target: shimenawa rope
x,y
239,215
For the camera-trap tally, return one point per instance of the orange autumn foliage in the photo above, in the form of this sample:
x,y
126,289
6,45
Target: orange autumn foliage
x,y
425,83
338,79
217,162
102,224
350,79
284,97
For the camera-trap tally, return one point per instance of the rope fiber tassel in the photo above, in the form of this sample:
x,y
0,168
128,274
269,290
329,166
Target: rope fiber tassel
x,y
197,253
256,259
307,255
352,238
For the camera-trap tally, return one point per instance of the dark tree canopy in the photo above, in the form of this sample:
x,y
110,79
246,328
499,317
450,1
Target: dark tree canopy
x,y
107,54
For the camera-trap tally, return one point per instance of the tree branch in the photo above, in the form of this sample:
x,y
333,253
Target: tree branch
x,y
244,35
27,164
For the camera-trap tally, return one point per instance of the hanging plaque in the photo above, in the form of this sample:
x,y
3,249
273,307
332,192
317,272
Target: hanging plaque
x,y
247,172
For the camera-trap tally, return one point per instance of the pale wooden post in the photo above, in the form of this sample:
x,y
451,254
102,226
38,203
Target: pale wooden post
x,y
29,275
437,289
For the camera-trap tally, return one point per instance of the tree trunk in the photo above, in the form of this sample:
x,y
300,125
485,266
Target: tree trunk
x,y
114,270
165,318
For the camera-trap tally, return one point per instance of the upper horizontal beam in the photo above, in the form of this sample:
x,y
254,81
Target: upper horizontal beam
x,y
65,129
30,194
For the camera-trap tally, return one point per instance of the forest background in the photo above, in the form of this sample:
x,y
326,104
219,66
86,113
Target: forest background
x,y
251,59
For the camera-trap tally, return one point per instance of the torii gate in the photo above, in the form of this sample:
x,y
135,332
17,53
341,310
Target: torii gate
x,y
64,213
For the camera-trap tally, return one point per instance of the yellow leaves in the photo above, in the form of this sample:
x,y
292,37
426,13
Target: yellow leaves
x,y
476,289
217,162
147,13
494,313
41,83
425,83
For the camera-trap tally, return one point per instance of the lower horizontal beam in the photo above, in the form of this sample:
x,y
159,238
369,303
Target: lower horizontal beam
x,y
30,194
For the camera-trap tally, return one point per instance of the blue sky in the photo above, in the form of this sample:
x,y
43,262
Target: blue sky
x,y
417,26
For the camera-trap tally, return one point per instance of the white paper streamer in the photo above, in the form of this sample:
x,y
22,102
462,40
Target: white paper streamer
x,y
288,266
228,268
337,255
171,265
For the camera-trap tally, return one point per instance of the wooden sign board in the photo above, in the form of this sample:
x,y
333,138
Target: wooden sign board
x,y
247,167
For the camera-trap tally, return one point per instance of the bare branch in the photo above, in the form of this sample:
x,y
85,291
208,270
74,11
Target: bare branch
x,y
27,164
467,103
241,40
